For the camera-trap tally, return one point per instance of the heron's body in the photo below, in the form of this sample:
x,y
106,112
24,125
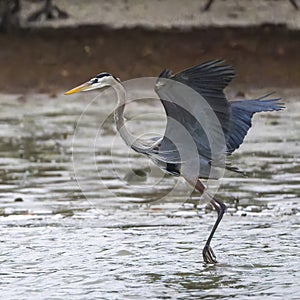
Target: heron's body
x,y
202,129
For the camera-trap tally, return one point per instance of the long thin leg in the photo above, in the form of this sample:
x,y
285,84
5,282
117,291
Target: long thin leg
x,y
220,207
208,254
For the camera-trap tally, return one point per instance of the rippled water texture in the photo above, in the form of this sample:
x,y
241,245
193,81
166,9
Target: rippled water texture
x,y
120,229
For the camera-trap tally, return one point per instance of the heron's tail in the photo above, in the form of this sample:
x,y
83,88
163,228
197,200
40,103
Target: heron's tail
x,y
241,115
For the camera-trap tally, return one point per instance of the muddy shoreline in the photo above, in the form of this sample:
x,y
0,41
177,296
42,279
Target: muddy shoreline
x,y
52,60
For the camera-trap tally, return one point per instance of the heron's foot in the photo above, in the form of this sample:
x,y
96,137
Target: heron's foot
x,y
208,255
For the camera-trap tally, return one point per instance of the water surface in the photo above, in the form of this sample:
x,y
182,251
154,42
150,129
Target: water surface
x,y
118,229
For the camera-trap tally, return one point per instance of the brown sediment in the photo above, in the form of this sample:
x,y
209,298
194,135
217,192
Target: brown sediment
x,y
53,60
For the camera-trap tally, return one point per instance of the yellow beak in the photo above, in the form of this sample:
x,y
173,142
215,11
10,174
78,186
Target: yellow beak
x,y
78,89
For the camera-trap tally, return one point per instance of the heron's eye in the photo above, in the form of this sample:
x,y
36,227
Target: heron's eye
x,y
94,80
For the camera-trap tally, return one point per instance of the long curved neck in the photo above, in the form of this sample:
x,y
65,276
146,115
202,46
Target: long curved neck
x,y
129,139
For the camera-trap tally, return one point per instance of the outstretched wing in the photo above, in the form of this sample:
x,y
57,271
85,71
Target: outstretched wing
x,y
194,99
241,115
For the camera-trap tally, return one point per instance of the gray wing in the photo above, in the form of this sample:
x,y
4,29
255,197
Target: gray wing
x,y
209,80
204,112
241,115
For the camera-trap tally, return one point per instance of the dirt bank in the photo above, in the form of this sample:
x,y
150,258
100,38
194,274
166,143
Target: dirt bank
x,y
51,60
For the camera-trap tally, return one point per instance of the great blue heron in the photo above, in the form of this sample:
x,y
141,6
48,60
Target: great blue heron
x,y
207,80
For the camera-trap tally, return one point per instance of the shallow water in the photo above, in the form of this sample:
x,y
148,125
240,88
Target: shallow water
x,y
118,228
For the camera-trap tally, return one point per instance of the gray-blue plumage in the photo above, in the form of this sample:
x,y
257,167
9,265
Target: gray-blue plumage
x,y
241,115
202,128
226,132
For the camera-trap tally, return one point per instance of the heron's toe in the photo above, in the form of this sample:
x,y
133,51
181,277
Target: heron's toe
x,y
208,255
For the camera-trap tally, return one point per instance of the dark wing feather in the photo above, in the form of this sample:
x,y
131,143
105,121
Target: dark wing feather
x,y
241,115
207,82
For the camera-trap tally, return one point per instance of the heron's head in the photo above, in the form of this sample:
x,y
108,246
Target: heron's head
x,y
100,81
